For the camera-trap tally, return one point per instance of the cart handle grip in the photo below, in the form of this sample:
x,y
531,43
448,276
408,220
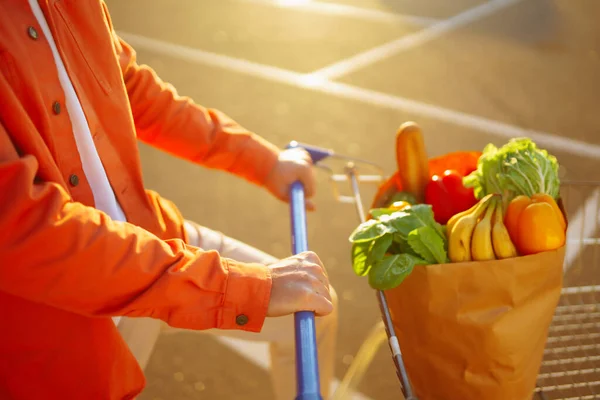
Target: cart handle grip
x,y
307,365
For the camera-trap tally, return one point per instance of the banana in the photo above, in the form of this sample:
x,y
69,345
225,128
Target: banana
x,y
456,217
459,239
503,245
481,243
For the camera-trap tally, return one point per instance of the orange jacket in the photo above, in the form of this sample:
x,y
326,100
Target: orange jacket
x,y
65,267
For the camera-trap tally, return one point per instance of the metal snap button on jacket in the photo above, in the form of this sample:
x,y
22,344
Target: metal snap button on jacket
x,y
32,32
241,320
56,107
74,180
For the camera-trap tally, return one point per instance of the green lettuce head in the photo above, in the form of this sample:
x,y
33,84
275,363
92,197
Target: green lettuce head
x,y
517,168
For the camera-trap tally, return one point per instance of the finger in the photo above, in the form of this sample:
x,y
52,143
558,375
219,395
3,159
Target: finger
x,y
307,157
307,177
326,309
310,205
325,291
322,306
318,300
310,257
318,273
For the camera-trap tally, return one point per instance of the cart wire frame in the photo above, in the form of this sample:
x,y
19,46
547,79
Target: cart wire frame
x,y
571,366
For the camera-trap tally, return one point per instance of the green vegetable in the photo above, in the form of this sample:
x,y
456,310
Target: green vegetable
x,y
392,270
369,231
424,214
402,247
379,248
517,168
388,247
415,217
378,212
360,252
428,244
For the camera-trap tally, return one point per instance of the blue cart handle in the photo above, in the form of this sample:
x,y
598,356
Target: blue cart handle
x,y
307,364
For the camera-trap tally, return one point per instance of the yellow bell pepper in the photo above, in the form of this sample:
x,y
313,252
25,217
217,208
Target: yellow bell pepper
x,y
535,224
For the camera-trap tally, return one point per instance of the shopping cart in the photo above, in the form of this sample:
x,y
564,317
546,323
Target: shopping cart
x,y
571,366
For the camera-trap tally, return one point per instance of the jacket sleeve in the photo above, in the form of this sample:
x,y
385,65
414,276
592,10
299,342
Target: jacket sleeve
x,y
179,126
64,254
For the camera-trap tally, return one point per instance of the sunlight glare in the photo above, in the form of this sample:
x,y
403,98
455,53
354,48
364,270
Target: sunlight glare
x,y
312,80
292,3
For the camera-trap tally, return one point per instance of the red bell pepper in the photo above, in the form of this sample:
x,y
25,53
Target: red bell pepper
x,y
447,195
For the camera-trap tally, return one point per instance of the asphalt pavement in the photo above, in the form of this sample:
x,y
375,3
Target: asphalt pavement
x,y
344,74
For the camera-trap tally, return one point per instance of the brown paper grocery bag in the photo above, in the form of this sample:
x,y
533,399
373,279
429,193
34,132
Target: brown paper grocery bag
x,y
477,330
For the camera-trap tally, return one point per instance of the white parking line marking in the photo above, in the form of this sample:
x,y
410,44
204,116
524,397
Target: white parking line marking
x,y
213,59
342,10
500,129
411,41
341,90
258,354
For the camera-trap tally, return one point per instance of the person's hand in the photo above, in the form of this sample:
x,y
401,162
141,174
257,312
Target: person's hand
x,y
293,165
299,283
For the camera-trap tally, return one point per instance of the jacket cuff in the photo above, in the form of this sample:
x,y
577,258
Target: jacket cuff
x,y
247,295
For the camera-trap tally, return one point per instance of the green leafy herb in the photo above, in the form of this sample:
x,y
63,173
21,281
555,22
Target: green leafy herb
x,y
404,248
360,253
427,243
380,247
404,225
378,212
392,270
424,213
369,231
415,217
387,247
